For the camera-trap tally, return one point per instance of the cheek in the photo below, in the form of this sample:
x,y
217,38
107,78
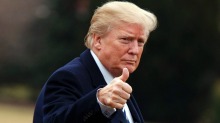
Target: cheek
x,y
140,53
112,57
119,51
139,56
115,56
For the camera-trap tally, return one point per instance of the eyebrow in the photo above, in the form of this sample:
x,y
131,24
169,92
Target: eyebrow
x,y
129,34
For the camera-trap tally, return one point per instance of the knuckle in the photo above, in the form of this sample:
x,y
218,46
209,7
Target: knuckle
x,y
116,90
118,84
108,101
129,96
119,106
131,90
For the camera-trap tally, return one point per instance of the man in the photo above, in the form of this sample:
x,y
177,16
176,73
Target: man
x,y
92,87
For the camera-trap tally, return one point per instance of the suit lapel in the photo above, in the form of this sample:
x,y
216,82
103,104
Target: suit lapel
x,y
91,66
134,109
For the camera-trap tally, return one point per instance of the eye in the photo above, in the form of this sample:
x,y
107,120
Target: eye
x,y
125,40
141,43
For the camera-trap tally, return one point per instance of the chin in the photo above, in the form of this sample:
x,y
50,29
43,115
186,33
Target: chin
x,y
131,69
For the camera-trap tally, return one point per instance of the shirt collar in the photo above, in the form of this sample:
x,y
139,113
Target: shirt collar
x,y
107,76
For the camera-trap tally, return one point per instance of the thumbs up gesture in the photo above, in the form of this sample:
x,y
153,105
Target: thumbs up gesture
x,y
116,93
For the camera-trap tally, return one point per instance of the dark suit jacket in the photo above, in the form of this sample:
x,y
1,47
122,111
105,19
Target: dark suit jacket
x,y
69,95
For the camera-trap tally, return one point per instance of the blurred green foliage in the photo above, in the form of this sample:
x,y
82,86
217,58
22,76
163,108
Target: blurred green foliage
x,y
176,79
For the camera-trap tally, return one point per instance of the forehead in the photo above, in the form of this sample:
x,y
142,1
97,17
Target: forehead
x,y
130,30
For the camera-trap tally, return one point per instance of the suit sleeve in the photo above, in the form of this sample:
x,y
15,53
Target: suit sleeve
x,y
70,98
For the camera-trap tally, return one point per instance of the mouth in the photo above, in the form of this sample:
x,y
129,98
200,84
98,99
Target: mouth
x,y
130,61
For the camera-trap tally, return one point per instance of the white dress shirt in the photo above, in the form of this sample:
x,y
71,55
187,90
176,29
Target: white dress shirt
x,y
106,110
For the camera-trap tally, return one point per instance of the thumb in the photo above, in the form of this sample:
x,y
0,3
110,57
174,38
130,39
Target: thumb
x,y
125,74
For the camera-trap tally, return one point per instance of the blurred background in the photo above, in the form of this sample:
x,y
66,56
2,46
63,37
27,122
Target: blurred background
x,y
178,80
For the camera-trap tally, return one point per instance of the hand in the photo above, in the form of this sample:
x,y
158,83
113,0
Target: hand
x,y
117,92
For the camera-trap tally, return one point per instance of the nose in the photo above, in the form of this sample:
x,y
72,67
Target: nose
x,y
133,48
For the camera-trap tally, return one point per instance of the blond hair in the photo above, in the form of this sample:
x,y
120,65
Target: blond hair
x,y
116,12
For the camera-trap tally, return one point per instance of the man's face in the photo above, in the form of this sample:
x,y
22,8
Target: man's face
x,y
121,47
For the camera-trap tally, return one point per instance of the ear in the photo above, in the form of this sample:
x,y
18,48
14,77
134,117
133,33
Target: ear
x,y
96,41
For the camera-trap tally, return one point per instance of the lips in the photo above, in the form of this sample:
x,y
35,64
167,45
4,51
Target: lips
x,y
130,61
